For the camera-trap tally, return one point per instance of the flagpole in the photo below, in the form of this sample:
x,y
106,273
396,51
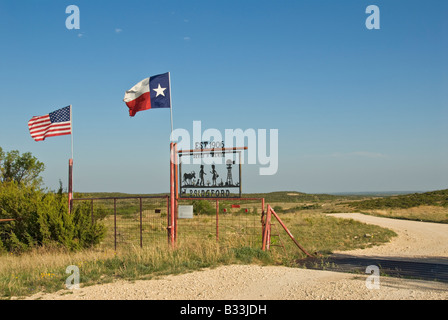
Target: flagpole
x,y
171,106
71,127
173,155
70,167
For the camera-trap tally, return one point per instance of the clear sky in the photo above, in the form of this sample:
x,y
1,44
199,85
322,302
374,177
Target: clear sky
x,y
356,109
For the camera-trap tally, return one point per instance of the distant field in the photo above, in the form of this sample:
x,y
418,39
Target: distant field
x,y
425,206
432,198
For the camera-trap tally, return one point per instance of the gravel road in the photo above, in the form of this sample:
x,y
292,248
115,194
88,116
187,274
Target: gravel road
x,y
420,240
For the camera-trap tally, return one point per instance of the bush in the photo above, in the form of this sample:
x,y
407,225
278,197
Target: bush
x,y
42,218
203,207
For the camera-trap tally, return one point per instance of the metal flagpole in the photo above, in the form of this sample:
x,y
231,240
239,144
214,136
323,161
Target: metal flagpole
x,y
71,126
70,167
173,198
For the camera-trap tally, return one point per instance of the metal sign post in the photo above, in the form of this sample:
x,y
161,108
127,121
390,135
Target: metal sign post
x,y
172,220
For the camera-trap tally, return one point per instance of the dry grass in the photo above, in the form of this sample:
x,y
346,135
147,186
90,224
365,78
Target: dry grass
x,y
421,213
44,269
41,268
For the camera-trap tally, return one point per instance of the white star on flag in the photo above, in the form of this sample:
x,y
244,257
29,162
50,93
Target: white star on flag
x,y
160,91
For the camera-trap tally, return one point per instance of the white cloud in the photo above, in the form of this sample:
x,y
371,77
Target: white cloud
x,y
187,38
118,30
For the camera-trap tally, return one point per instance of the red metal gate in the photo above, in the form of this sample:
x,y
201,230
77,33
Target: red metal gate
x,y
223,222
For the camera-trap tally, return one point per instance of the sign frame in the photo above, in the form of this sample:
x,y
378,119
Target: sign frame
x,y
213,191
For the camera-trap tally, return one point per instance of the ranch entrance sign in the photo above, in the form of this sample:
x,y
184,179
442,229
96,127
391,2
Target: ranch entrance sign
x,y
210,172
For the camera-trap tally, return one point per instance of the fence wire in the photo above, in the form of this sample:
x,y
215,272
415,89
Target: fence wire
x,y
143,221
132,221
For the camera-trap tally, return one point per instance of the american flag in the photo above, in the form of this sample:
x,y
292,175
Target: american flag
x,y
57,123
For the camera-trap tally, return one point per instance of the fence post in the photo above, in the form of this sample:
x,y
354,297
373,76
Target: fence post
x,y
168,216
70,185
262,220
267,226
141,228
217,220
115,224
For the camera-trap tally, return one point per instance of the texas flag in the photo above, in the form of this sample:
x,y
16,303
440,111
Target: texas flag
x,y
150,93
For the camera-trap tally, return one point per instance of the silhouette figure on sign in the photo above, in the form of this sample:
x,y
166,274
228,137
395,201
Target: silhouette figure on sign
x,y
201,175
215,174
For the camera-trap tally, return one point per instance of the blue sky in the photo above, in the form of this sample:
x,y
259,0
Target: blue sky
x,y
355,109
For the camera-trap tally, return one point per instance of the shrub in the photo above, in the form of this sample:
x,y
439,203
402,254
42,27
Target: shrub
x,y
42,218
203,207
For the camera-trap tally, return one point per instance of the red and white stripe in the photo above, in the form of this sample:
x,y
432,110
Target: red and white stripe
x,y
138,97
41,128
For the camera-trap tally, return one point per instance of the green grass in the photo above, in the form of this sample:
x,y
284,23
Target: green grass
x,y
43,269
319,233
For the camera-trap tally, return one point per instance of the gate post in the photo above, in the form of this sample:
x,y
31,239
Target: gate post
x,y
176,192
266,231
172,197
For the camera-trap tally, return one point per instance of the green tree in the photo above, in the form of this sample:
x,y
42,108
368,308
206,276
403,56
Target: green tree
x,y
23,169
38,217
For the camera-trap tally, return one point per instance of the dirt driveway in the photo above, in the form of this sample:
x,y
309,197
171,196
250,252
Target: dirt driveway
x,y
251,282
422,240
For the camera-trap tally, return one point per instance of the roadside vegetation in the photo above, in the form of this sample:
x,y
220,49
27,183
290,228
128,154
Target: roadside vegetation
x,y
31,216
44,268
39,239
406,201
428,206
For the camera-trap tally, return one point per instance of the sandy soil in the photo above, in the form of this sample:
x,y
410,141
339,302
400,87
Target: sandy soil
x,y
251,282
